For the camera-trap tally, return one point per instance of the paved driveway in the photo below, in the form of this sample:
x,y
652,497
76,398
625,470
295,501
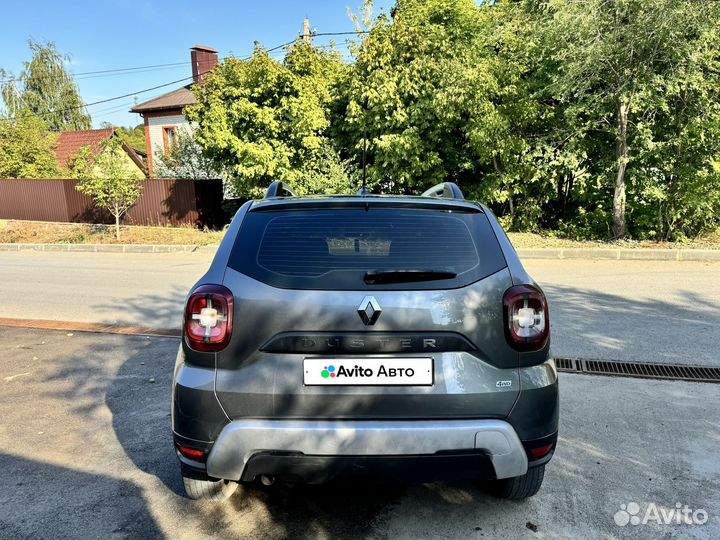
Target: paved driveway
x,y
85,452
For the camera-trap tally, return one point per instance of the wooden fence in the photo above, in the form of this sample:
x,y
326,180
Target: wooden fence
x,y
163,202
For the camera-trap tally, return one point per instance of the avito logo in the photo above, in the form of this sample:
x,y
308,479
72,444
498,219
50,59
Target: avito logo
x,y
328,371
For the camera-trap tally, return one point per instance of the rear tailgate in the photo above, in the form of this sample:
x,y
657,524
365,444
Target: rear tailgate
x,y
300,293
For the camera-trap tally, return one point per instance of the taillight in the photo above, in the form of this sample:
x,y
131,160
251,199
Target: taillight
x,y
208,318
527,322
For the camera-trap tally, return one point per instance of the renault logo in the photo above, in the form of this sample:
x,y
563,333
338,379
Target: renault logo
x,y
369,310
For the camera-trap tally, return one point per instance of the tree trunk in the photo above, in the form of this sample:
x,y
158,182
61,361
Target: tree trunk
x,y
117,223
622,158
511,207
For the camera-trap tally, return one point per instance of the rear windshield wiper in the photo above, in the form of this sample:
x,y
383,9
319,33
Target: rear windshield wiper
x,y
380,277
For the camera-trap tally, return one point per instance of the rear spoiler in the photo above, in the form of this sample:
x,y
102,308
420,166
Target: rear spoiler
x,y
443,196
428,203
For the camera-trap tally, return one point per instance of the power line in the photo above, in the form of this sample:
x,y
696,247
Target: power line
x,y
105,111
131,94
337,47
79,76
355,32
157,66
124,73
133,68
118,70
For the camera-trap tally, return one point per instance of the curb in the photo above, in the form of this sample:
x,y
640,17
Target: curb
x,y
67,326
619,254
111,248
591,254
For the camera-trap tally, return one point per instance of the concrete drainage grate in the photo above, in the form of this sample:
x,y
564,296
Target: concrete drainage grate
x,y
639,369
566,364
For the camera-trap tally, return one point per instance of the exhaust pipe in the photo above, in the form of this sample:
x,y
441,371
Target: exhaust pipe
x,y
267,480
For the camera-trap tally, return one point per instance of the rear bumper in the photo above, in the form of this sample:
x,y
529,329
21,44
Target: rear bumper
x,y
238,452
322,469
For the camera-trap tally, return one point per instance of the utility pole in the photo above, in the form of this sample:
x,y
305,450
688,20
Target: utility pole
x,y
306,34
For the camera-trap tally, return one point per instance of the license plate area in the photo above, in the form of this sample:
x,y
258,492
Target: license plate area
x,y
401,371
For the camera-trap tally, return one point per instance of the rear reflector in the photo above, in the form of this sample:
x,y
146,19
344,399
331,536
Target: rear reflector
x,y
209,318
541,451
191,453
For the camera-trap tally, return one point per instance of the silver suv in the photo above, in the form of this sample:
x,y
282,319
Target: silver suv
x,y
345,336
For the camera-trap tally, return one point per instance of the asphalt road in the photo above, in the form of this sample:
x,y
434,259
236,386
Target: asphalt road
x,y
652,311
85,452
646,311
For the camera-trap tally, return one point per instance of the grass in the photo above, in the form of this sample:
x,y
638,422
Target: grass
x,y
38,232
534,240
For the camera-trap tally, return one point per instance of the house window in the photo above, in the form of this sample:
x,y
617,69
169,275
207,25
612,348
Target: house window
x,y
169,138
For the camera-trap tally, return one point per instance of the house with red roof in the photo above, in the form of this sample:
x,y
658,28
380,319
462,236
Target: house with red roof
x,y
164,115
69,144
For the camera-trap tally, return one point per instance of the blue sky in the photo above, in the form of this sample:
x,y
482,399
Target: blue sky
x,y
113,34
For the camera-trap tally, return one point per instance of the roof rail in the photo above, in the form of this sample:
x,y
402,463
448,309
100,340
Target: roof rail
x,y
279,189
445,190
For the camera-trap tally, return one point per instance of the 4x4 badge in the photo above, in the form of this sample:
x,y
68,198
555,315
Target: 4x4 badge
x,y
369,310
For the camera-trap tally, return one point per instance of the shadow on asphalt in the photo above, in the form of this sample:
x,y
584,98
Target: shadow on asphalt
x,y
141,409
149,310
57,512
589,324
621,440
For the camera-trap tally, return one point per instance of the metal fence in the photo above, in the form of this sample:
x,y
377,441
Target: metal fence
x,y
163,202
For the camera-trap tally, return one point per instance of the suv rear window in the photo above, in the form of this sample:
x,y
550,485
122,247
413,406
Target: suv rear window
x,y
333,248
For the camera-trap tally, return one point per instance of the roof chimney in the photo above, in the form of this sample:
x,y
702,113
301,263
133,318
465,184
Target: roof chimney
x,y
203,60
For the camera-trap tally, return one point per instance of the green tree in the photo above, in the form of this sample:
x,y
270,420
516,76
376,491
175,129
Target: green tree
x,y
675,191
45,88
507,133
27,149
262,120
109,185
611,57
133,136
80,165
597,118
443,92
419,81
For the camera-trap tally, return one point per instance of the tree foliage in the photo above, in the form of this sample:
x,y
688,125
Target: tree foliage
x,y
615,61
27,149
262,120
45,88
596,118
133,136
416,91
109,184
80,165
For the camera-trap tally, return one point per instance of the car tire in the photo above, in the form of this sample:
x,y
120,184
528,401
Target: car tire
x,y
200,487
519,487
